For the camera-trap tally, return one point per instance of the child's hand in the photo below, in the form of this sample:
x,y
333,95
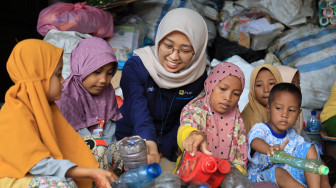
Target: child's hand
x,y
195,140
103,178
153,155
277,147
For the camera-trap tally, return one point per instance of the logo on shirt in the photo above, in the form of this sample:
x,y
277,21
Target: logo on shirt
x,y
182,92
151,89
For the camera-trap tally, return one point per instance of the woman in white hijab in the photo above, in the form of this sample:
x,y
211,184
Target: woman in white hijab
x,y
158,81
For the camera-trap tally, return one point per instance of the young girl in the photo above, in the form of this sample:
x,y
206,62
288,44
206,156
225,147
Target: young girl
x,y
292,75
263,78
212,120
88,100
38,146
283,108
160,80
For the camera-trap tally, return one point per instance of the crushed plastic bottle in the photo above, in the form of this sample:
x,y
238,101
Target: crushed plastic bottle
x,y
138,178
133,152
309,165
199,184
236,179
167,180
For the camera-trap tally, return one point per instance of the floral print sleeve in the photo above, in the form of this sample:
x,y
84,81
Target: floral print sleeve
x,y
239,141
194,114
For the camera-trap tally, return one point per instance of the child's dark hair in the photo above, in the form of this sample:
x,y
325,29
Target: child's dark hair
x,y
285,87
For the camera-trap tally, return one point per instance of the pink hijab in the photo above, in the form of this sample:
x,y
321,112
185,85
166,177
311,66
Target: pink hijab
x,y
226,135
78,106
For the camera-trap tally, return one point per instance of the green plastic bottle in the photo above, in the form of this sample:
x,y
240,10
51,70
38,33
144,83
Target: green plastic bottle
x,y
309,165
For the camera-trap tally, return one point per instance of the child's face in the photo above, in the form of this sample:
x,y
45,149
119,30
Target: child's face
x,y
56,83
175,51
226,94
97,81
284,111
264,82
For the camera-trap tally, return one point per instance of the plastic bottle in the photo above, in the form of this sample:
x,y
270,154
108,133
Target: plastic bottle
x,y
202,168
236,179
310,165
139,177
196,168
98,129
133,152
223,167
167,180
313,124
199,184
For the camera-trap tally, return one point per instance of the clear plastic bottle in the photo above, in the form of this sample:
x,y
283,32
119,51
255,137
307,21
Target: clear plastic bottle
x,y
310,165
133,152
313,123
236,179
199,184
167,180
139,177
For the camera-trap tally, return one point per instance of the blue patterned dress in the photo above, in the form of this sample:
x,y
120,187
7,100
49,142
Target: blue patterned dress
x,y
260,168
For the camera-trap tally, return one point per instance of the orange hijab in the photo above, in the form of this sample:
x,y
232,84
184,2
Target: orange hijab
x,y
31,128
254,112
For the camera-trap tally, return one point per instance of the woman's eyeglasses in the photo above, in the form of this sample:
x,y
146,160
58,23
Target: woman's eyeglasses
x,y
167,49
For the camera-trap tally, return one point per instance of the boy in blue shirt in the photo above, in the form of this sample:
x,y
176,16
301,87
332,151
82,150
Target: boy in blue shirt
x,y
284,106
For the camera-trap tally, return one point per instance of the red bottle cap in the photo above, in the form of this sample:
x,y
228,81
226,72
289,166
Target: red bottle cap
x,y
223,166
209,166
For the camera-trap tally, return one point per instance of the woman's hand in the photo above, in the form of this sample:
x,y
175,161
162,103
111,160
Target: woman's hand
x,y
195,140
153,155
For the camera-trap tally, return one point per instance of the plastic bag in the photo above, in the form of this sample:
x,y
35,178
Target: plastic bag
x,y
311,50
289,12
75,17
67,40
152,12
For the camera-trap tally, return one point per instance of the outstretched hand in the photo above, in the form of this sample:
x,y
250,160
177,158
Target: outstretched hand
x,y
103,178
277,147
196,140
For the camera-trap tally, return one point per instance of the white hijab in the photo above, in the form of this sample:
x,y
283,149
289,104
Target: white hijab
x,y
194,27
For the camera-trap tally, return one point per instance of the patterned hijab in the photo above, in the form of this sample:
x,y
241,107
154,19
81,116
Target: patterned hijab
x,y
226,135
255,112
194,27
78,106
32,128
287,74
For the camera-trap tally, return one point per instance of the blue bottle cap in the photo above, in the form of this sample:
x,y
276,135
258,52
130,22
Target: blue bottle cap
x,y
154,170
313,112
130,142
